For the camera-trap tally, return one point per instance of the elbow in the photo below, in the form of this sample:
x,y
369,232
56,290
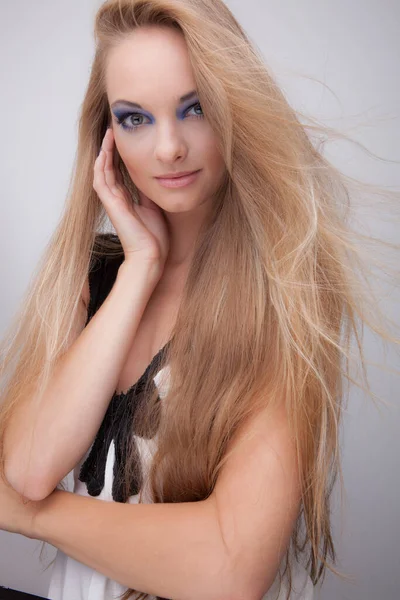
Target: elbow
x,y
233,591
244,578
235,577
233,582
248,584
29,487
238,588
37,493
37,490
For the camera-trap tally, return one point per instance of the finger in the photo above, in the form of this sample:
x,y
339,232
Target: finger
x,y
118,185
109,173
99,181
116,159
117,169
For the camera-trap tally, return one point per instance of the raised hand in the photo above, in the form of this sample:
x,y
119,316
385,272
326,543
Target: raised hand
x,y
142,228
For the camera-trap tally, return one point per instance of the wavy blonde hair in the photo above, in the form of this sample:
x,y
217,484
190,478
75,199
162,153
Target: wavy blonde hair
x,y
275,292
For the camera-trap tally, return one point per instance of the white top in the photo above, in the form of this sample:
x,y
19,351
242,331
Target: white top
x,y
72,580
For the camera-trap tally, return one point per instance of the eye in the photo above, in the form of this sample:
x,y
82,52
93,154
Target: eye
x,y
195,106
128,125
129,121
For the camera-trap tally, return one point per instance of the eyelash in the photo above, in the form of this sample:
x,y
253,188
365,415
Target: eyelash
x,y
121,120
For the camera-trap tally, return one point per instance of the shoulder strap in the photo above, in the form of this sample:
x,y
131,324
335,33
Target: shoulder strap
x,y
102,274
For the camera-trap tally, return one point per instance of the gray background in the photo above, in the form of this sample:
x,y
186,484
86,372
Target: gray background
x,y
46,51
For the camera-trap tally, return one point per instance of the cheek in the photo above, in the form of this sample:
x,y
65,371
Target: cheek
x,y
132,155
210,150
135,161
214,158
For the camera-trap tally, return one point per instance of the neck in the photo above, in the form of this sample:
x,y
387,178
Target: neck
x,y
183,230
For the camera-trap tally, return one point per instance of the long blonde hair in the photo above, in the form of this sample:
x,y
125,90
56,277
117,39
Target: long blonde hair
x,y
275,292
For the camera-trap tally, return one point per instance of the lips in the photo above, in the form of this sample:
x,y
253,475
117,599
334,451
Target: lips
x,y
178,181
176,175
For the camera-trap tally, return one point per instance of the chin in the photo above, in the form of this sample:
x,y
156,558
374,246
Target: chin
x,y
176,207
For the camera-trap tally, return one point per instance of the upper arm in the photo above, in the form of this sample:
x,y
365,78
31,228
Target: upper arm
x,y
258,496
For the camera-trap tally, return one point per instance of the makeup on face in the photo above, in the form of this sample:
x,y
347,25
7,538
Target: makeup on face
x,y
122,110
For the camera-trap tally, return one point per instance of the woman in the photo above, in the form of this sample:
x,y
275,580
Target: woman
x,y
185,368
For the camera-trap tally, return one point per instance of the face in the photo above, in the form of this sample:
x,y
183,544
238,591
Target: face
x,y
168,132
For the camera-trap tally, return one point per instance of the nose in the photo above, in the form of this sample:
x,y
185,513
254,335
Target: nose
x,y
170,143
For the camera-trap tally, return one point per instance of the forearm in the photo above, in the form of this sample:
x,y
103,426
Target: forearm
x,y
172,550
79,392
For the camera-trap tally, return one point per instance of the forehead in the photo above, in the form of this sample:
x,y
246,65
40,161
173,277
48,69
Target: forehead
x,y
152,61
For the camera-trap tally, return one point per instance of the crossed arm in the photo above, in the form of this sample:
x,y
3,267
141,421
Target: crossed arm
x,y
227,547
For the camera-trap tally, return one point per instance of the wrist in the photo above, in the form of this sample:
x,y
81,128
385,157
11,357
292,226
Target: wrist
x,y
148,268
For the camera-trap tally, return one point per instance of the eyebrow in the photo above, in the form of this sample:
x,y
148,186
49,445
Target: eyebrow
x,y
136,105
